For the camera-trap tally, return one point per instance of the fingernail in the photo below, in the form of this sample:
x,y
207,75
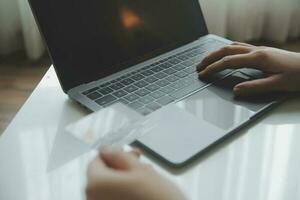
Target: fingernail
x,y
198,67
202,73
237,90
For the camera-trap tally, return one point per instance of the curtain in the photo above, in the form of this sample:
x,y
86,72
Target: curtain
x,y
241,20
18,29
244,20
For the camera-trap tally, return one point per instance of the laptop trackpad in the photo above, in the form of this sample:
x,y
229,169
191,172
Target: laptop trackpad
x,y
178,135
193,124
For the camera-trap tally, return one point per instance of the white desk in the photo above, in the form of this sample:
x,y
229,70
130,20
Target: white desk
x,y
38,161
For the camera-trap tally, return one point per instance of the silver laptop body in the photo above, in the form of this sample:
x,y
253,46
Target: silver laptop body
x,y
168,76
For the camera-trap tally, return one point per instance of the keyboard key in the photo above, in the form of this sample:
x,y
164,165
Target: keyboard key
x,y
177,85
109,83
198,46
165,100
154,64
156,69
152,87
160,75
131,97
172,78
199,51
184,52
183,58
162,83
90,90
147,73
187,80
105,84
137,77
157,94
194,76
125,76
196,60
190,70
151,79
188,90
94,95
165,65
117,86
146,99
131,88
135,105
142,92
123,101
106,100
170,71
144,68
194,54
200,57
141,84
153,106
187,63
120,93
164,60
105,90
174,61
127,81
144,111
179,67
190,54
181,74
185,84
167,90
137,71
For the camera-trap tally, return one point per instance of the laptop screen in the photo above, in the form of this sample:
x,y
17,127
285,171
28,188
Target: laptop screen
x,y
91,39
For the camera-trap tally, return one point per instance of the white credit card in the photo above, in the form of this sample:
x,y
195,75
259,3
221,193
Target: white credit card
x,y
108,126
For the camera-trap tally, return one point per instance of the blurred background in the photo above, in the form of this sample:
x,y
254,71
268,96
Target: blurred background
x,y
24,60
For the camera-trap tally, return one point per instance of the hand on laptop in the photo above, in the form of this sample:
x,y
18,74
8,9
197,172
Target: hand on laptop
x,y
115,175
282,68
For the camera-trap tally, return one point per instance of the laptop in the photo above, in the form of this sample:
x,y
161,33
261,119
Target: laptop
x,y
144,54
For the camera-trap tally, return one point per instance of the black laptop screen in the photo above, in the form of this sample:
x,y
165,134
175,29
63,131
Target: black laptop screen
x,y
90,39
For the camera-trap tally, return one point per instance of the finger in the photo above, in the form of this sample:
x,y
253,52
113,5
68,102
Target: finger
x,y
225,51
250,60
119,159
100,176
242,44
96,165
136,152
256,87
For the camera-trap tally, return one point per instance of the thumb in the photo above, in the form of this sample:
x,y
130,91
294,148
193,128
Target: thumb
x,y
256,87
118,159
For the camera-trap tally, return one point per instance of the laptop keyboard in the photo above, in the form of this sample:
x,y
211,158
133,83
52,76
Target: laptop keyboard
x,y
151,87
